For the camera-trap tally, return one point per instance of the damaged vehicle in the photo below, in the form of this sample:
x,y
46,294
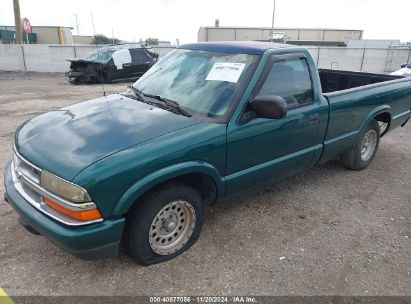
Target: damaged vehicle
x,y
110,63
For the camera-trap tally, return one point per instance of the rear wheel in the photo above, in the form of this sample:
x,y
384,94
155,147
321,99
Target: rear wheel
x,y
164,224
363,152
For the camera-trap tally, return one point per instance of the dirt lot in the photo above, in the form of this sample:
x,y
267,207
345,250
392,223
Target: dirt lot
x,y
328,231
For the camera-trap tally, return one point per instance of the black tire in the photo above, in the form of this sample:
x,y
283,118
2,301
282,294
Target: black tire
x,y
352,159
140,218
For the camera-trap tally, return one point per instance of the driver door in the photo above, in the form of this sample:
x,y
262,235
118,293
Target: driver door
x,y
261,150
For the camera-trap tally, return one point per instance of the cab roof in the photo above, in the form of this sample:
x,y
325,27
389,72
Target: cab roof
x,y
239,47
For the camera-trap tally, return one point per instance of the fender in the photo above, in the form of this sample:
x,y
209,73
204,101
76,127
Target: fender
x,y
378,110
149,181
336,145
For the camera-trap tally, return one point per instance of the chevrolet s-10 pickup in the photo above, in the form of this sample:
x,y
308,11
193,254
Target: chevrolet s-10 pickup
x,y
208,120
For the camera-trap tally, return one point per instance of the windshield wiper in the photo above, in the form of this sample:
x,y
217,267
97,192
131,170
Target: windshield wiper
x,y
174,105
138,93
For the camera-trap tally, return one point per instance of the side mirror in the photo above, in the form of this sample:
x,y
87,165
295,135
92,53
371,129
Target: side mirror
x,y
269,106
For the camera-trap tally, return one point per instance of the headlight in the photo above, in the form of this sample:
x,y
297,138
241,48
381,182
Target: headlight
x,y
63,188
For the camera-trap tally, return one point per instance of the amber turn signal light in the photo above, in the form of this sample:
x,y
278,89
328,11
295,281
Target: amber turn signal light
x,y
84,215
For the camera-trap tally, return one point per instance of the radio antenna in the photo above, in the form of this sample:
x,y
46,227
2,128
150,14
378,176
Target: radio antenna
x,y
95,40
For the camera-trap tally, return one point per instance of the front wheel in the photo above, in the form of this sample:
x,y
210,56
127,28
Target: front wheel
x,y
363,152
164,224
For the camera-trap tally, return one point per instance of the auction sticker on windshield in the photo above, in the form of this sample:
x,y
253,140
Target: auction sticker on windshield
x,y
226,71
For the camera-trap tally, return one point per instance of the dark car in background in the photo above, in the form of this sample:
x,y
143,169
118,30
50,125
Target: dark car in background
x,y
128,61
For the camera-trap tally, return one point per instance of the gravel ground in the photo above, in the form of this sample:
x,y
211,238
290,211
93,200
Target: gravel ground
x,y
328,231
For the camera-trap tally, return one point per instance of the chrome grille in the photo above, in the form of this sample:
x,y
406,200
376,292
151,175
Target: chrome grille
x,y
27,169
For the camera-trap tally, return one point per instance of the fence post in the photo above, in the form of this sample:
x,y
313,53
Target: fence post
x,y
75,53
318,55
362,59
24,57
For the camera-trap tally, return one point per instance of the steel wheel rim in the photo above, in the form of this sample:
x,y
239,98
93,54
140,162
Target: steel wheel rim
x,y
368,145
172,227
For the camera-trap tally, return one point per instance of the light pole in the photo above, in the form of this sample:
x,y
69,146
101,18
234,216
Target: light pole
x,y
17,21
272,23
78,32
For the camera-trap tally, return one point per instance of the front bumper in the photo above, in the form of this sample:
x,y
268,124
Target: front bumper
x,y
75,76
99,240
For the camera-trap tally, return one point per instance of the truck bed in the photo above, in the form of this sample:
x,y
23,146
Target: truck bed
x,y
336,80
354,98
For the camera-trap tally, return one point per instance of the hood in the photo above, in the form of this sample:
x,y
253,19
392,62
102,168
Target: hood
x,y
67,140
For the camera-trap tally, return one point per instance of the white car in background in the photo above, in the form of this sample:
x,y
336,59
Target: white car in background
x,y
404,71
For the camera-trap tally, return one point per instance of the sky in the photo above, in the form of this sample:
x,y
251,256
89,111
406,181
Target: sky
x,y
180,19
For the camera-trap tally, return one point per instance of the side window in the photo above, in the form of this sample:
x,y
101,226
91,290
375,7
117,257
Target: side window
x,y
138,56
291,80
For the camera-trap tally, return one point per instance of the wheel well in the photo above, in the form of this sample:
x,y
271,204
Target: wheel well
x,y
384,117
201,182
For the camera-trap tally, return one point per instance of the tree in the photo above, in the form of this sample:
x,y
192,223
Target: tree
x,y
102,39
152,41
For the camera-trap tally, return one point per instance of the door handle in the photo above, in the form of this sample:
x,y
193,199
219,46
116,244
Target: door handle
x,y
314,117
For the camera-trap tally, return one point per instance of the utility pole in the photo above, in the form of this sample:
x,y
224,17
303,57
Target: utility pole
x,y
78,32
17,22
272,23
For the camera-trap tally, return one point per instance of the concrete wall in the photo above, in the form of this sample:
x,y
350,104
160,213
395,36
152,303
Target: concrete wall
x,y
53,58
356,59
48,58
373,43
162,50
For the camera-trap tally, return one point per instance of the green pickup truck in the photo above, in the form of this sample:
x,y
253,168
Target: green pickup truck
x,y
134,170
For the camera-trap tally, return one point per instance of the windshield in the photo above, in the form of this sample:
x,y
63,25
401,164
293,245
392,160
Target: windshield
x,y
204,83
102,55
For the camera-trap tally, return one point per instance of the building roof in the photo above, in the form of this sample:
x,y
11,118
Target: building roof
x,y
243,47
